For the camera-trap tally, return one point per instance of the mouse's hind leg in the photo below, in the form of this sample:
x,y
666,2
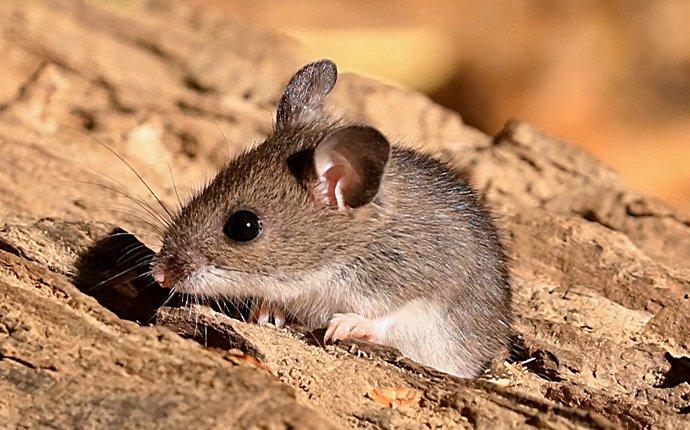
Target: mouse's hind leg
x,y
264,312
422,330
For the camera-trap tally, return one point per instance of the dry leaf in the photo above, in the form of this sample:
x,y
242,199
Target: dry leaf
x,y
239,357
395,397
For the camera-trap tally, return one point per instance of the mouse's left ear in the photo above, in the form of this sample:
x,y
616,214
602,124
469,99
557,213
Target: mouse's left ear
x,y
302,100
349,164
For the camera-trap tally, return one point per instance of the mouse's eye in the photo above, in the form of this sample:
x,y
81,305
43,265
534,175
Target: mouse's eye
x,y
243,226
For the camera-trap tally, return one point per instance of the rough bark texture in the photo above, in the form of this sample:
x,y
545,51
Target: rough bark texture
x,y
602,280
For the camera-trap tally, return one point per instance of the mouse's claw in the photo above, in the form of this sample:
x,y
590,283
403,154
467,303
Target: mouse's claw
x,y
264,313
350,326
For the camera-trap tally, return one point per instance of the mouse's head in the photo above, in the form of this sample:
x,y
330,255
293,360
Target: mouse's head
x,y
286,214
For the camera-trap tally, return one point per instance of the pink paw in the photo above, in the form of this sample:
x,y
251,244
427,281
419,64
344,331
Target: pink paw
x,y
263,311
350,326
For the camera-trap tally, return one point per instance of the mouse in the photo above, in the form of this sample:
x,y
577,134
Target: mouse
x,y
329,224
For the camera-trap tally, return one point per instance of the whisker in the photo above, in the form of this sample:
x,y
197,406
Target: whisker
x,y
222,304
127,250
136,266
134,278
121,233
225,139
129,166
206,303
171,294
172,178
142,204
157,232
139,202
93,169
196,303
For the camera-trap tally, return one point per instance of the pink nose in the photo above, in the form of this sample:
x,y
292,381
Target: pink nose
x,y
159,276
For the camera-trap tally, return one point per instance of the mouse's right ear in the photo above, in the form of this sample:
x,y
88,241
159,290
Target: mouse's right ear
x,y
302,100
349,164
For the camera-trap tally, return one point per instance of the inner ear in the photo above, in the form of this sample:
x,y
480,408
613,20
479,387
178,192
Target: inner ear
x,y
349,164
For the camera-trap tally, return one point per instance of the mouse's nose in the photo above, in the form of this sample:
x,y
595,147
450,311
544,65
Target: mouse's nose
x,y
161,279
160,276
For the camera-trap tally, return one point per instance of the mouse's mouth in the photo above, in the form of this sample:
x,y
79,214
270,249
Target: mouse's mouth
x,y
200,278
214,282
203,280
195,283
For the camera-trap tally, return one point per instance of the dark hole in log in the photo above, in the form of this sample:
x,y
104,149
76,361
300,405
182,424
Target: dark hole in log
x,y
678,373
539,361
116,273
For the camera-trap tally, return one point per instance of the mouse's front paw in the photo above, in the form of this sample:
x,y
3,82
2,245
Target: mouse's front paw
x,y
264,312
350,326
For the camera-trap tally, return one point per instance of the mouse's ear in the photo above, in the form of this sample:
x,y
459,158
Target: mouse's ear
x,y
302,100
349,164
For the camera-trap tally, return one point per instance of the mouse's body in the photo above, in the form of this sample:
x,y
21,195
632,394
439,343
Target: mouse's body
x,y
324,223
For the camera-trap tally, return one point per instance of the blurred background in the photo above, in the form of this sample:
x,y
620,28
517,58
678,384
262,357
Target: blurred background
x,y
612,76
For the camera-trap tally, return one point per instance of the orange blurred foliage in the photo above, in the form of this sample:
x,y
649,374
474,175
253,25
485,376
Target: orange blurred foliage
x,y
612,76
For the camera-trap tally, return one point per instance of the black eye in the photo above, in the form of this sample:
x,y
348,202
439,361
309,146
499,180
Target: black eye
x,y
243,226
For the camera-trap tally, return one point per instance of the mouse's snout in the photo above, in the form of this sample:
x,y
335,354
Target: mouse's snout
x,y
160,277
177,270
159,273
166,270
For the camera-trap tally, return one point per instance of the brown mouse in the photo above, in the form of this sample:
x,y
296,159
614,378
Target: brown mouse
x,y
328,224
